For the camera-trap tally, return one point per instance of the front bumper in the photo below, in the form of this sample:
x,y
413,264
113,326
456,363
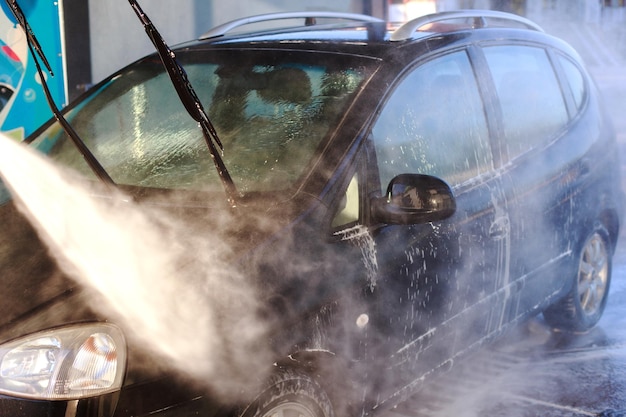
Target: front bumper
x,y
162,398
102,406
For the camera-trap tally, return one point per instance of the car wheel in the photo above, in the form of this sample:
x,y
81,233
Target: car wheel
x,y
290,393
581,309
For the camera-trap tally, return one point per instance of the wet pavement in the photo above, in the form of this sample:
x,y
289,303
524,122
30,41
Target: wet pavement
x,y
534,371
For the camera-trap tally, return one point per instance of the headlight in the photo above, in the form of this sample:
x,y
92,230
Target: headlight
x,y
64,364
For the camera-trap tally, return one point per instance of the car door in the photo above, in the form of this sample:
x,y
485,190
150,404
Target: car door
x,y
443,286
540,167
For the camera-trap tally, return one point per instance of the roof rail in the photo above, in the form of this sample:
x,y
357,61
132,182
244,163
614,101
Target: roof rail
x,y
480,19
309,20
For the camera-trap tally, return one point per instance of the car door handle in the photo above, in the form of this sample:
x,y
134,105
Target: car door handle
x,y
500,228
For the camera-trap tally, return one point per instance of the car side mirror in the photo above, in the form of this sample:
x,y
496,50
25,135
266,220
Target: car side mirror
x,y
414,199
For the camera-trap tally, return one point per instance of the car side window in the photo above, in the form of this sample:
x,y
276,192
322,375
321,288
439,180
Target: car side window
x,y
575,80
434,123
531,100
348,212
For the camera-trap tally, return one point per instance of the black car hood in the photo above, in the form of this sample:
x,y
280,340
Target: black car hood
x,y
38,295
30,278
33,283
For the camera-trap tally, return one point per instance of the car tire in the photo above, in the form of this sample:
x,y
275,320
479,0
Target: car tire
x,y
583,306
290,393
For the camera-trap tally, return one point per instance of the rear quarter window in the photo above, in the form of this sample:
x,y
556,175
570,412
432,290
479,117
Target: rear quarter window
x,y
532,103
575,81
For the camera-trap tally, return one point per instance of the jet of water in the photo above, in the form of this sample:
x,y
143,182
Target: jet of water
x,y
171,289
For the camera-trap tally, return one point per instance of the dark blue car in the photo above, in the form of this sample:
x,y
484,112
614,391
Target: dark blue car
x,y
401,195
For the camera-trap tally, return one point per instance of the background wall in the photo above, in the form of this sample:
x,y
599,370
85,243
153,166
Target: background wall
x,y
118,38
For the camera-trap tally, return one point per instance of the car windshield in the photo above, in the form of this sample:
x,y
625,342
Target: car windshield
x,y
271,112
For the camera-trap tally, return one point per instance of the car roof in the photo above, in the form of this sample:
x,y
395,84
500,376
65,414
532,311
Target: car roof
x,y
369,37
362,34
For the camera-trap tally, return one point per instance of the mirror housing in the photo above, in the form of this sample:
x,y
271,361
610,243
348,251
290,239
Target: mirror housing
x,y
414,199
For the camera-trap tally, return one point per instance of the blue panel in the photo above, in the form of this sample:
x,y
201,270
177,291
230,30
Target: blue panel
x,y
23,106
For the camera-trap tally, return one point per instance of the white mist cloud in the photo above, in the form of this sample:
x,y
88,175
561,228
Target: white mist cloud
x,y
174,291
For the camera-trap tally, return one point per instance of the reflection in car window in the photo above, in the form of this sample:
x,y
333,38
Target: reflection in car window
x,y
271,117
434,123
575,80
532,103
